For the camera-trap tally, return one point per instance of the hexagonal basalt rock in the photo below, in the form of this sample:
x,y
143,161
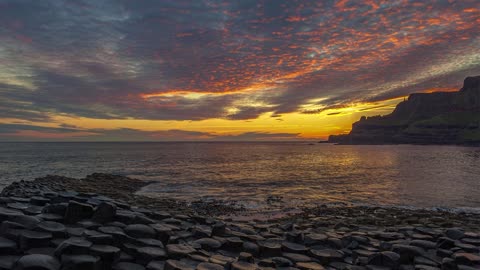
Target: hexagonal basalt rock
x,y
55,228
108,254
73,245
209,266
140,231
243,266
37,262
80,262
78,211
466,258
34,239
309,266
270,249
177,265
179,250
127,266
326,256
294,248
148,254
208,244
105,212
6,213
385,259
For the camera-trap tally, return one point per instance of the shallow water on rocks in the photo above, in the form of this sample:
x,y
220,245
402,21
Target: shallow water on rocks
x,y
266,174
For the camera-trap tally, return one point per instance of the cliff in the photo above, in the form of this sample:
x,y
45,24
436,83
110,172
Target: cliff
x,y
424,118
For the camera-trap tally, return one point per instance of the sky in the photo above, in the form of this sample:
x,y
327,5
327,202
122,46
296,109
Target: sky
x,y
138,70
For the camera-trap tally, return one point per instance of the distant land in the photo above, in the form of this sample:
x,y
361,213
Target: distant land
x,y
424,118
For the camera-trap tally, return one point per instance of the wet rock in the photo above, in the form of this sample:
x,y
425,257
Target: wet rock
x,y
18,206
80,262
425,261
177,265
385,259
40,201
147,254
156,265
454,234
270,249
7,246
37,262
218,228
140,231
251,248
281,262
58,209
239,265
222,260
51,217
315,239
7,261
105,212
209,244
33,210
246,257
150,242
294,248
424,244
117,233
297,257
179,250
34,239
108,254
6,213
202,231
209,266
407,253
77,211
28,221
325,256
55,228
128,266
309,266
98,238
449,264
443,253
73,245
466,258
445,243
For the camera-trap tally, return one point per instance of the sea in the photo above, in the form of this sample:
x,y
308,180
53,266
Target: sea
x,y
258,175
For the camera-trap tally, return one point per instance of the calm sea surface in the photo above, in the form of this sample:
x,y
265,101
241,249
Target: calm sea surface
x,y
418,176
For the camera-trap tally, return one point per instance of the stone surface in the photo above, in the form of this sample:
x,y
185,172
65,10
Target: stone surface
x,y
353,238
37,262
77,211
105,212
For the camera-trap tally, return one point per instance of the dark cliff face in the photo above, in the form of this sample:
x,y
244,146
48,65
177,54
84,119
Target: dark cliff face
x,y
425,118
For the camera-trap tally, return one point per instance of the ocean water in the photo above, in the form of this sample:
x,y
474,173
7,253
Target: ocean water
x,y
257,174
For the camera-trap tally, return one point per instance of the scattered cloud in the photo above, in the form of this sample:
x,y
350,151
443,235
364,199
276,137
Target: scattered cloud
x,y
21,132
236,60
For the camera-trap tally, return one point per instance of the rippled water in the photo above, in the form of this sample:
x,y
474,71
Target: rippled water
x,y
419,176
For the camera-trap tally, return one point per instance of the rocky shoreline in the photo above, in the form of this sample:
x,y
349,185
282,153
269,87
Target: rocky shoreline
x,y
98,223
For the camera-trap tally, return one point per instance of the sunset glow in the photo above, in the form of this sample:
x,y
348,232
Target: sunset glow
x,y
223,70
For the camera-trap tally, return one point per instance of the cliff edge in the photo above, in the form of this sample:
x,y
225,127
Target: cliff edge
x,y
424,118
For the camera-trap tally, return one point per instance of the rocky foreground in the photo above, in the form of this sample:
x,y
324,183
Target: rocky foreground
x,y
43,226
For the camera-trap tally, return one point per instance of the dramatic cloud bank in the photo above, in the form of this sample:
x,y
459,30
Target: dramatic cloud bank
x,y
232,60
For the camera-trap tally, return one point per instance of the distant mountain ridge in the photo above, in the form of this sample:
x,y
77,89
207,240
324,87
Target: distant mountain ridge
x,y
424,118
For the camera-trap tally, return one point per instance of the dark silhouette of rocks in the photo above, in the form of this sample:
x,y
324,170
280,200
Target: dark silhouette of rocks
x,y
424,118
131,238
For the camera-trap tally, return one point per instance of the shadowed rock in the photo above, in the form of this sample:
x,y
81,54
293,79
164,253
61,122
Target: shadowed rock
x,y
37,262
